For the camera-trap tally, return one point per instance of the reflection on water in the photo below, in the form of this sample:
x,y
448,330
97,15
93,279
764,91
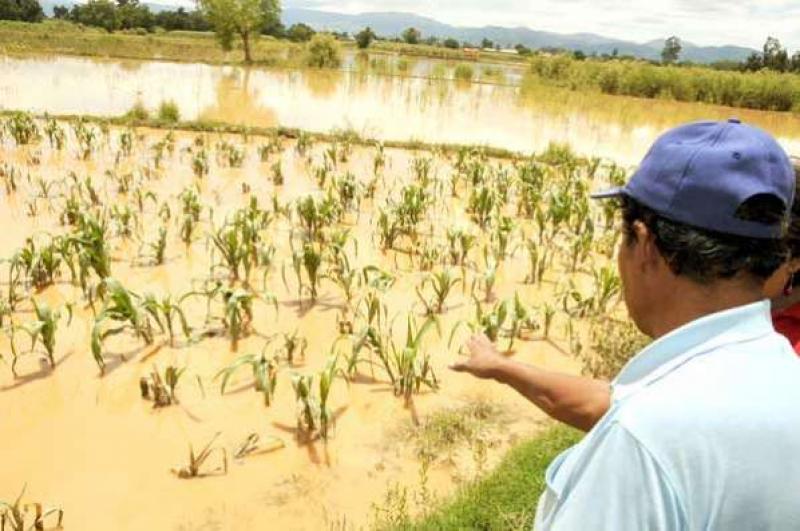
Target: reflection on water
x,y
523,118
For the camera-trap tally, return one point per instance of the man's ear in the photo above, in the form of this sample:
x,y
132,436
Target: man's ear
x,y
647,253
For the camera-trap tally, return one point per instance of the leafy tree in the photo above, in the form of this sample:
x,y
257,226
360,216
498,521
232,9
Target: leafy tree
x,y
411,36
365,37
486,43
132,14
60,12
451,43
26,10
100,13
775,55
300,32
239,18
180,19
578,55
754,62
672,50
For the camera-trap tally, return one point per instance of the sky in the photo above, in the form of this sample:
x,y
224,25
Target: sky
x,y
702,22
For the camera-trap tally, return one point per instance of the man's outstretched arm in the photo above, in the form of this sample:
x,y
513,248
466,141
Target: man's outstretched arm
x,y
574,400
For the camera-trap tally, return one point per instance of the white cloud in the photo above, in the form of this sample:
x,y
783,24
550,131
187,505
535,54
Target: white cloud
x,y
703,22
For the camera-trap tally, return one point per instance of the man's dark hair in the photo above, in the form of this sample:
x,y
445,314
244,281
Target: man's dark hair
x,y
704,256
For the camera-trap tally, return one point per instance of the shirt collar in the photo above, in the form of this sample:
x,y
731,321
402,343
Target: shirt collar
x,y
737,324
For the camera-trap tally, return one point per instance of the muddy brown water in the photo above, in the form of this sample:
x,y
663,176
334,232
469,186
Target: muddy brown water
x,y
92,446
523,118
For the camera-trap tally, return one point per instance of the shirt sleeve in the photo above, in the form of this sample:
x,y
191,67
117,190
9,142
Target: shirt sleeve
x,y
616,484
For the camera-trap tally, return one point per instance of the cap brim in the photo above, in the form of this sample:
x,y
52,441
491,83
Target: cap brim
x,y
610,194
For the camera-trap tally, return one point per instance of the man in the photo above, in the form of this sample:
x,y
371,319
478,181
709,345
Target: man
x,y
703,428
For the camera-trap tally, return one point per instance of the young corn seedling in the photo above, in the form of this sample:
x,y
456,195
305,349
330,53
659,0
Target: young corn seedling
x,y
481,205
548,314
238,314
277,174
607,286
313,412
45,327
438,286
411,367
15,515
164,311
293,345
87,137
265,374
124,308
488,323
55,134
308,260
154,252
196,461
522,321
200,166
460,242
161,390
486,280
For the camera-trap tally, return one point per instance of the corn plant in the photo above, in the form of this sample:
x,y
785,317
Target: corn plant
x,y
304,143
277,174
486,279
411,367
235,246
55,134
86,135
460,242
154,252
238,314
265,374
125,309
607,285
161,389
164,311
293,345
313,412
548,314
522,321
200,166
481,205
45,327
438,286
490,323
308,260
231,154
15,515
22,128
196,461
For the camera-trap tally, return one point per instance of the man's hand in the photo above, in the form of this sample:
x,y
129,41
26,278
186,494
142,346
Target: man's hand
x,y
483,361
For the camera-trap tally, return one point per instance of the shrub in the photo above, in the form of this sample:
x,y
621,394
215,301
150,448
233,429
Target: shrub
x,y
138,112
463,72
169,112
323,52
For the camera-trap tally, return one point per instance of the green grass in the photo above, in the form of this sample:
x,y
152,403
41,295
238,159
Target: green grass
x,y
505,498
770,91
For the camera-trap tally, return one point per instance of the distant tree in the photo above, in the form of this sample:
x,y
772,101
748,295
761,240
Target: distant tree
x,y
486,43
450,43
60,12
794,64
25,10
522,49
180,19
411,36
132,14
615,52
100,13
672,50
431,41
775,56
300,32
365,37
239,18
578,55
753,63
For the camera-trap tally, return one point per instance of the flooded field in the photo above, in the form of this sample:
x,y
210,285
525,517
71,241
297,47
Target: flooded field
x,y
519,115
314,259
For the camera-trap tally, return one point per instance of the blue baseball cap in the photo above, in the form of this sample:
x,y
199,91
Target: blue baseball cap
x,y
701,173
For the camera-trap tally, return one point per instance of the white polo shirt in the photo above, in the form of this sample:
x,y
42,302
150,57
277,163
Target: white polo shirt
x,y
703,433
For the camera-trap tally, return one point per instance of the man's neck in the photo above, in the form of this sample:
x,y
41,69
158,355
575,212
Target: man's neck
x,y
688,301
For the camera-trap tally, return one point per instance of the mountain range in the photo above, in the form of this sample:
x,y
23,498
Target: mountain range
x,y
392,24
